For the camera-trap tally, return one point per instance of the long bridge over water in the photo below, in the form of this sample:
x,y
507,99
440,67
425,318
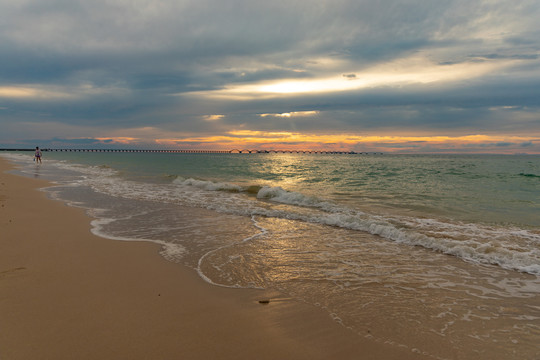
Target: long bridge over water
x,y
233,151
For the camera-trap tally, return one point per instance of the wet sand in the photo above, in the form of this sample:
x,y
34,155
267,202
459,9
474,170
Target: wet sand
x,y
68,294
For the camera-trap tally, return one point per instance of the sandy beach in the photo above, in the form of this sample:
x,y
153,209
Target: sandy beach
x,y
68,294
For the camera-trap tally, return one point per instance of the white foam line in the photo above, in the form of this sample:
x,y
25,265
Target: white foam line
x,y
169,251
262,232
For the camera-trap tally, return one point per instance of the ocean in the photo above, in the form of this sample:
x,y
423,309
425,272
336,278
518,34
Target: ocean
x,y
439,254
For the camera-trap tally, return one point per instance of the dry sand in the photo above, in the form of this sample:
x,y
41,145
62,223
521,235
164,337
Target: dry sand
x,y
67,294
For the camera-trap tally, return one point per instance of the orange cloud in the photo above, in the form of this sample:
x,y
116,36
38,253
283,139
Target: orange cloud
x,y
264,140
290,140
119,140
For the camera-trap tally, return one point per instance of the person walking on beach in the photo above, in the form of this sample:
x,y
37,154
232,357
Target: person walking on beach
x,y
37,155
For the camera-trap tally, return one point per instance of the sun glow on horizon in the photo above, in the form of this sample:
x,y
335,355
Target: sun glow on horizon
x,y
299,141
273,140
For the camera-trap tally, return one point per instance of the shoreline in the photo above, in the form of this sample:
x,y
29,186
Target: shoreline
x,y
66,293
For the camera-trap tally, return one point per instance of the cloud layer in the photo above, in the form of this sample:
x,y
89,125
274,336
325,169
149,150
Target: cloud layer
x,y
328,74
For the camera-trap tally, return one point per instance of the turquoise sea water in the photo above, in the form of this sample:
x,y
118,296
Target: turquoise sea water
x,y
436,253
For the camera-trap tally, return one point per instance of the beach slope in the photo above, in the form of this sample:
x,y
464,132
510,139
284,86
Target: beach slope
x,y
67,294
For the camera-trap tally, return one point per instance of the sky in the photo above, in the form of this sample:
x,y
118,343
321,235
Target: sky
x,y
409,76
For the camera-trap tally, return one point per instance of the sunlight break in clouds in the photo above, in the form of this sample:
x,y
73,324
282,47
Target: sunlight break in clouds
x,y
291,114
57,93
24,92
407,71
213,117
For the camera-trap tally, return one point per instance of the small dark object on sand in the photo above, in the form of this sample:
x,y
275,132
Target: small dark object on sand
x,y
264,301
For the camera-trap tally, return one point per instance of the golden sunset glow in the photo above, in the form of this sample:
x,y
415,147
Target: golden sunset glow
x,y
247,139
118,140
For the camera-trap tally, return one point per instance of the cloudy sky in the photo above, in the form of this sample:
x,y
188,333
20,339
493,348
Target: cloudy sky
x,y
363,75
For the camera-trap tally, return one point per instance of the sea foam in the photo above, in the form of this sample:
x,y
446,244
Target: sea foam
x,y
510,248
